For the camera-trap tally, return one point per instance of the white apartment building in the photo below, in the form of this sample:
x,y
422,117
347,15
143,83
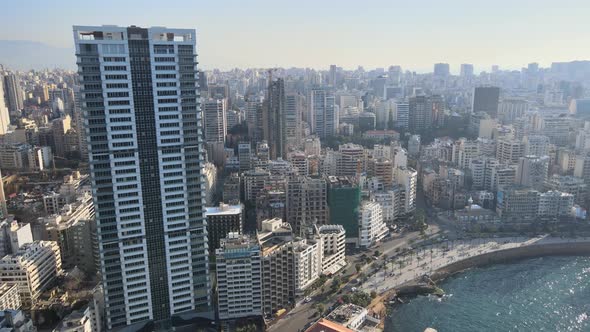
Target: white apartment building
x,y
408,179
536,145
9,297
372,228
509,151
214,119
391,202
333,238
307,260
532,171
140,100
239,277
33,268
324,113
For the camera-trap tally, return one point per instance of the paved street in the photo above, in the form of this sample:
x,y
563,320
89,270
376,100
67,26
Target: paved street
x,y
303,313
408,267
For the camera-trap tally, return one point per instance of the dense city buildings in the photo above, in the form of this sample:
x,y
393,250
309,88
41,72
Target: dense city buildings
x,y
139,193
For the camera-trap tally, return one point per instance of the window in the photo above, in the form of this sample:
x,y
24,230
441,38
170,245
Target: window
x,y
114,59
116,77
117,94
117,86
113,49
165,67
115,68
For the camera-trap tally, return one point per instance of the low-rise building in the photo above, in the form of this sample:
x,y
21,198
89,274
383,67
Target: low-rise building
x,y
353,317
33,268
77,321
15,321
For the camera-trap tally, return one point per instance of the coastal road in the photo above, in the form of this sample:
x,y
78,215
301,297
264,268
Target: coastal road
x,y
304,313
409,267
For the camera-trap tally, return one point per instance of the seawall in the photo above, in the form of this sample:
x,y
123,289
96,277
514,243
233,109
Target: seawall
x,y
513,254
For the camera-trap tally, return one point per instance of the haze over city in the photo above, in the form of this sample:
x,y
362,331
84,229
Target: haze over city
x,y
294,166
315,34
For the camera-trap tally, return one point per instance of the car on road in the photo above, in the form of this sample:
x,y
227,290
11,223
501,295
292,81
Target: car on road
x,y
307,299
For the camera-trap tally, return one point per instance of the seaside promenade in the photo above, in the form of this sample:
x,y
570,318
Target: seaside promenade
x,y
410,266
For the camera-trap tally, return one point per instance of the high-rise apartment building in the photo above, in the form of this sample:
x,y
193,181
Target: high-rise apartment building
x,y
402,115
420,113
4,114
344,198
34,267
274,120
466,70
221,220
532,171
324,112
486,99
141,106
214,120
13,94
307,203
371,225
239,277
293,111
442,69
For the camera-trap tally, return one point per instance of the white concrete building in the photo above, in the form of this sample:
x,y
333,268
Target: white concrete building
x,y
140,101
532,171
239,277
372,228
9,297
214,119
307,262
333,238
391,202
324,112
399,156
408,179
509,151
536,145
33,268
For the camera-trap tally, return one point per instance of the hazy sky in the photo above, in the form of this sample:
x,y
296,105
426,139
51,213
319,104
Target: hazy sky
x,y
317,33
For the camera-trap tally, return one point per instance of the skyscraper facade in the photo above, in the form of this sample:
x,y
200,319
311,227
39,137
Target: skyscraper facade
x,y
293,110
441,69
141,106
273,122
466,70
215,120
486,99
13,94
324,112
4,115
420,117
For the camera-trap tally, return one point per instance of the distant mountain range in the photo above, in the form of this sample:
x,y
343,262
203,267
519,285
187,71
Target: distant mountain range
x,y
26,54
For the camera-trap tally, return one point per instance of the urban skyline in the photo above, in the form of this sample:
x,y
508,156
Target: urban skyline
x,y
147,192
377,35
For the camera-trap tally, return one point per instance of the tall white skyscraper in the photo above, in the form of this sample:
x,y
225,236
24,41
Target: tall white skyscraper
x,y
402,119
4,116
324,112
293,110
215,120
141,107
13,94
